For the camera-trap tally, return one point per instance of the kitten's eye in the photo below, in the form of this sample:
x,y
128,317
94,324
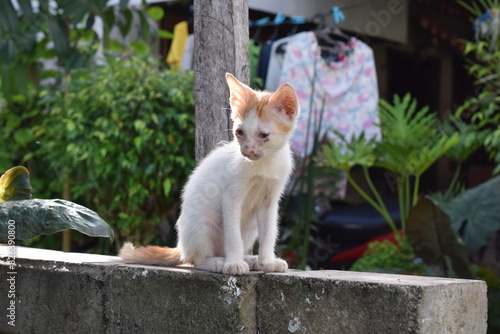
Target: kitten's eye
x,y
263,135
239,133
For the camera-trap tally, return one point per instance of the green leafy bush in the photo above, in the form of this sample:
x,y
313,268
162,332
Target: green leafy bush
x,y
483,59
388,257
16,120
122,137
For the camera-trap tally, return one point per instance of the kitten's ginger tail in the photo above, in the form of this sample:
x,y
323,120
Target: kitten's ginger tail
x,y
151,255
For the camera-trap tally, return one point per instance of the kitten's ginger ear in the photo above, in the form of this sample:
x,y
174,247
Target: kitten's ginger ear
x,y
284,101
238,94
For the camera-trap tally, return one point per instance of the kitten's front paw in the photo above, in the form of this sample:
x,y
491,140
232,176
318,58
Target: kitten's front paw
x,y
253,262
235,268
277,266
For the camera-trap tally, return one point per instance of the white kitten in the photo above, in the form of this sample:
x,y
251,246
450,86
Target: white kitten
x,y
231,198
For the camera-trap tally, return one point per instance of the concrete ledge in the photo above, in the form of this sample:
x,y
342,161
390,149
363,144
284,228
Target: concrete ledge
x,y
59,292
342,302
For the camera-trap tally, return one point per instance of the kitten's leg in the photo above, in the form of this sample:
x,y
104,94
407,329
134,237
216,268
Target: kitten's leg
x,y
268,232
252,261
233,241
213,264
249,234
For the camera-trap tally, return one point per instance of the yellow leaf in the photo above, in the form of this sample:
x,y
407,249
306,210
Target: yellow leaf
x,y
15,184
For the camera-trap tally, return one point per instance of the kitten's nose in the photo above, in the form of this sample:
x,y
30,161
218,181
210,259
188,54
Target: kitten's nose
x,y
249,152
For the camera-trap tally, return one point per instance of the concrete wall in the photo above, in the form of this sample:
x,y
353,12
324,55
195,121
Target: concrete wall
x,y
58,292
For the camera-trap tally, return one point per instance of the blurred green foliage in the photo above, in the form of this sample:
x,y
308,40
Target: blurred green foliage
x,y
388,257
68,34
122,135
483,56
116,134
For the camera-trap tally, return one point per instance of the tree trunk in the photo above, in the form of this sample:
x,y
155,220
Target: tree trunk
x,y
220,46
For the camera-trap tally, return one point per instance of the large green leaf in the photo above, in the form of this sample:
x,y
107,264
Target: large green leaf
x,y
123,4
26,8
19,74
60,35
124,21
75,10
433,239
7,53
139,47
37,216
476,212
8,16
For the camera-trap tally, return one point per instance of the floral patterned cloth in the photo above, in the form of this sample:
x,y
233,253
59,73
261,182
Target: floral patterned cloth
x,y
342,93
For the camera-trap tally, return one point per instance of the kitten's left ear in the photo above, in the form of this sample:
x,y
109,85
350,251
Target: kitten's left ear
x,y
238,94
284,102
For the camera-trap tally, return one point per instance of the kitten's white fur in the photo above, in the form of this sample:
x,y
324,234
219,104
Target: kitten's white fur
x,y
231,198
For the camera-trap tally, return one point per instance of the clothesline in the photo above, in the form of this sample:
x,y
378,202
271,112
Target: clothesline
x,y
335,12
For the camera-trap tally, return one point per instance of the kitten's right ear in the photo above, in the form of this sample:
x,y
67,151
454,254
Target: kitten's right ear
x,y
284,102
238,95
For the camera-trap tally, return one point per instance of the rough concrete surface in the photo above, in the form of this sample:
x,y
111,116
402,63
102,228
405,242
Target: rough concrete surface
x,y
59,292
339,302
54,298
150,300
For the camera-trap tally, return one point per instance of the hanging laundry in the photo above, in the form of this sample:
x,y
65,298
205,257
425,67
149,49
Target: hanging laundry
x,y
176,52
187,56
345,92
276,59
265,54
341,92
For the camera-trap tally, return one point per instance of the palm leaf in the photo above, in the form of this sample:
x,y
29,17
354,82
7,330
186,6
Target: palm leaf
x,y
468,7
432,152
411,141
349,153
402,122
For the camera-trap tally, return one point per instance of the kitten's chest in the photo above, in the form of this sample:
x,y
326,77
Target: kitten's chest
x,y
259,192
275,167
